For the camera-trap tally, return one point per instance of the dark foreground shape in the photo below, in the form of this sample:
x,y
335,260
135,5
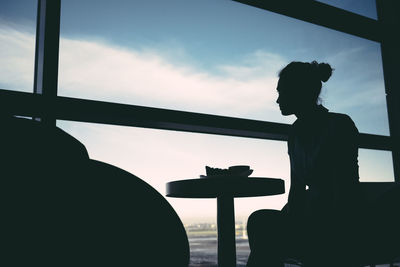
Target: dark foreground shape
x,y
60,208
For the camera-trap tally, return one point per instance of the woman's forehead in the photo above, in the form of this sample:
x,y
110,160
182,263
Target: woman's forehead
x,y
284,83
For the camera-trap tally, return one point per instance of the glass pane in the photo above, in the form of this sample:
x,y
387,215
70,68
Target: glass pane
x,y
375,165
366,8
198,56
161,156
17,44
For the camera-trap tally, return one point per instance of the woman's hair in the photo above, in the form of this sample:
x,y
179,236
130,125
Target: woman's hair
x,y
307,76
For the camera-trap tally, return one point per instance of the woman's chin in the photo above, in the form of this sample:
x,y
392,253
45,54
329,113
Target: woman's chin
x,y
286,112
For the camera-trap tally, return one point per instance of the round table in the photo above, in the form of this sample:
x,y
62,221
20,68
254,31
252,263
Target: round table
x,y
225,190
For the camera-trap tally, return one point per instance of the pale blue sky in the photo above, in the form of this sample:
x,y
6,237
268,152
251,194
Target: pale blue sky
x,y
208,56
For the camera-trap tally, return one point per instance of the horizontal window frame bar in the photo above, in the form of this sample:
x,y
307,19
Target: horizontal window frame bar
x,y
323,15
94,111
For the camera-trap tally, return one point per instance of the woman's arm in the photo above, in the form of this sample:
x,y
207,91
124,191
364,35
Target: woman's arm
x,y
345,163
296,198
297,195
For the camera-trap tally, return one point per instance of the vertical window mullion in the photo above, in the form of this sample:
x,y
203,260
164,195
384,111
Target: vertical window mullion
x,y
388,17
46,54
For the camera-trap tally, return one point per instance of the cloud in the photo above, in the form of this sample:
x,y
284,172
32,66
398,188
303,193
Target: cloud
x,y
102,71
256,65
95,69
17,53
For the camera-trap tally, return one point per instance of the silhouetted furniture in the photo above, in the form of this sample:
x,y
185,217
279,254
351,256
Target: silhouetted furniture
x,y
60,208
225,190
382,223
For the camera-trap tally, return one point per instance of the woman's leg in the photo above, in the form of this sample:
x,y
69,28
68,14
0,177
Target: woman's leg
x,y
331,242
266,232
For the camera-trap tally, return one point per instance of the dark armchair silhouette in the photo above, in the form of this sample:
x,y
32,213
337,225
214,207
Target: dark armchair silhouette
x,y
381,232
61,208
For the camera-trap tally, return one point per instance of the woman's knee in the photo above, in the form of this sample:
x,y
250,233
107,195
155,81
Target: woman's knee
x,y
264,223
262,218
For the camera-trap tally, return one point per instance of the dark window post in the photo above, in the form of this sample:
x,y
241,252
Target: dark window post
x,y
46,54
388,15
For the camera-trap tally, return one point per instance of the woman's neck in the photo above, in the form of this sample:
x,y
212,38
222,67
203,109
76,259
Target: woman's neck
x,y
308,112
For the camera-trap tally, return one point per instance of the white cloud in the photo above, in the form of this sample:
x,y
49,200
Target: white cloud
x,y
17,53
101,71
256,65
94,69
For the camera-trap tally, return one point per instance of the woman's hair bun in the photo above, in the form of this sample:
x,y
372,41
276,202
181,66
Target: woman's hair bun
x,y
324,71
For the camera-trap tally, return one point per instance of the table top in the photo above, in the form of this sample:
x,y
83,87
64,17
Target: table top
x,y
229,186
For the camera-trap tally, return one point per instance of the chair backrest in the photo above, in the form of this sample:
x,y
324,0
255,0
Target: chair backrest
x,y
380,226
130,222
58,207
372,191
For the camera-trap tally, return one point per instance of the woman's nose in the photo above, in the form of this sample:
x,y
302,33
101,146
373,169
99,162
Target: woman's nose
x,y
277,100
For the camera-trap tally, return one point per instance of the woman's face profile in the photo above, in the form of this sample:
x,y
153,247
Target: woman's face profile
x,y
287,97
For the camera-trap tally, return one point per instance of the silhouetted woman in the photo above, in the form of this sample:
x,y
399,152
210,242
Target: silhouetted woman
x,y
318,223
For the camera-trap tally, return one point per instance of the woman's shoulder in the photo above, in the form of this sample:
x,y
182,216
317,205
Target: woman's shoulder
x,y
335,123
340,122
340,118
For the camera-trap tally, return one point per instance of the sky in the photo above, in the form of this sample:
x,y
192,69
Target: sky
x,y
216,57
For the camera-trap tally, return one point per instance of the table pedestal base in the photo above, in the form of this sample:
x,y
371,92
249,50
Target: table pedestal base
x,y
226,231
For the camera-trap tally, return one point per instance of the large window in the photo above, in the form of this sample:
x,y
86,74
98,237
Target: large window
x,y
17,44
205,56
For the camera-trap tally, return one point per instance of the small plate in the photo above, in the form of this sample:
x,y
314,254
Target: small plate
x,y
245,174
